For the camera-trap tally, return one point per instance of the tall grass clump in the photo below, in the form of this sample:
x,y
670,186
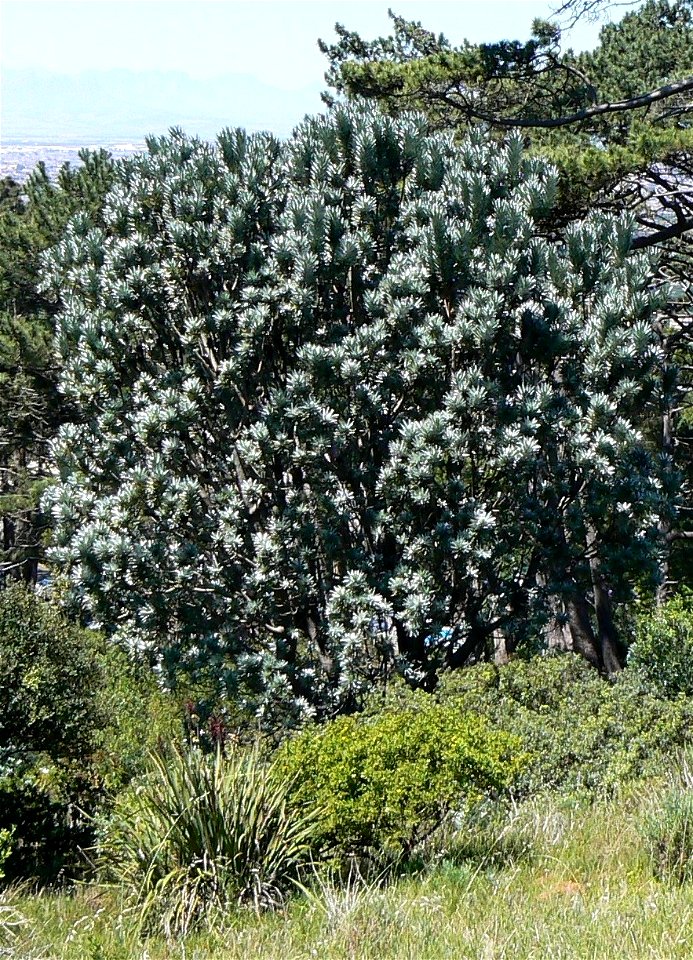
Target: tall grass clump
x,y
201,834
11,920
668,836
667,827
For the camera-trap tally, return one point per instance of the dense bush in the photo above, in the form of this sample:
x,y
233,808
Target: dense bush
x,y
75,721
581,732
662,654
383,783
201,833
138,715
5,849
49,712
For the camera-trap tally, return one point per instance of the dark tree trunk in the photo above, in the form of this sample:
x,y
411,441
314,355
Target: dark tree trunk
x,y
557,631
665,526
612,649
581,632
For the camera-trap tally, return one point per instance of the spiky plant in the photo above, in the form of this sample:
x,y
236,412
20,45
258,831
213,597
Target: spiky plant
x,y
201,834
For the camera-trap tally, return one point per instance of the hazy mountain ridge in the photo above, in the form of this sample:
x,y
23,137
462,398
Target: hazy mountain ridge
x,y
38,105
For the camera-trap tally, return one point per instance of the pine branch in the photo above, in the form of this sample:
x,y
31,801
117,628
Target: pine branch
x,y
677,229
619,106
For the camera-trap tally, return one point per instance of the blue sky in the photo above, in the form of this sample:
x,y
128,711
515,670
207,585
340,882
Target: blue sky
x,y
261,42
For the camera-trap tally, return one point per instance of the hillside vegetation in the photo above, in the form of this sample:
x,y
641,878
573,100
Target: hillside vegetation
x,y
345,485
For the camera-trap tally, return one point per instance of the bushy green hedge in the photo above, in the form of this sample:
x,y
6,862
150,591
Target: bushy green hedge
x,y
382,783
581,733
76,719
662,654
383,779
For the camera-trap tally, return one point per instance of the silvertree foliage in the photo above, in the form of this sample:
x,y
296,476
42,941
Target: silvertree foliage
x,y
346,410
616,122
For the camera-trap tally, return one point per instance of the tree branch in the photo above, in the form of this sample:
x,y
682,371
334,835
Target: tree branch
x,y
642,100
666,233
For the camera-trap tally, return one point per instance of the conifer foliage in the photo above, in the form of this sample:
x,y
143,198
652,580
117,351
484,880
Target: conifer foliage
x,y
346,411
32,218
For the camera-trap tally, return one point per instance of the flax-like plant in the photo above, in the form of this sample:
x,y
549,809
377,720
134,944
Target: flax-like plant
x,y
201,834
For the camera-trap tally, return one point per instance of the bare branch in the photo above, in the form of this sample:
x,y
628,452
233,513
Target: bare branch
x,y
667,233
592,9
679,535
601,109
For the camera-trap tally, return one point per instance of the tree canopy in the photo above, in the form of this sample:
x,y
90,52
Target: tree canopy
x,y
347,409
32,218
615,121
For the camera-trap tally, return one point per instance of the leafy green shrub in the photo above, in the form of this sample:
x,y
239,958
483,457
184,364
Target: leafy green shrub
x,y
75,721
201,833
662,654
667,830
581,733
5,849
49,710
138,714
383,783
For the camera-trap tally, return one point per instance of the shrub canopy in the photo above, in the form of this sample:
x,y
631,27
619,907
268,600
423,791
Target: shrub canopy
x,y
383,783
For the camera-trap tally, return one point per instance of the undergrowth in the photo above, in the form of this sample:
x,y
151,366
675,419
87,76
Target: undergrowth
x,y
568,879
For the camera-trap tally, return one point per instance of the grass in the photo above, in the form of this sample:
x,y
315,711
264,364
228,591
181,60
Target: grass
x,y
559,881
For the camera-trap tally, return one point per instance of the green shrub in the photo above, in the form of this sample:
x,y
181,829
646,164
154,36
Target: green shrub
x,y
383,783
138,714
49,711
662,654
5,849
75,722
202,833
582,733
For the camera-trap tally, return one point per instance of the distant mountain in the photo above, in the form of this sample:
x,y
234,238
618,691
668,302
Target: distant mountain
x,y
120,104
